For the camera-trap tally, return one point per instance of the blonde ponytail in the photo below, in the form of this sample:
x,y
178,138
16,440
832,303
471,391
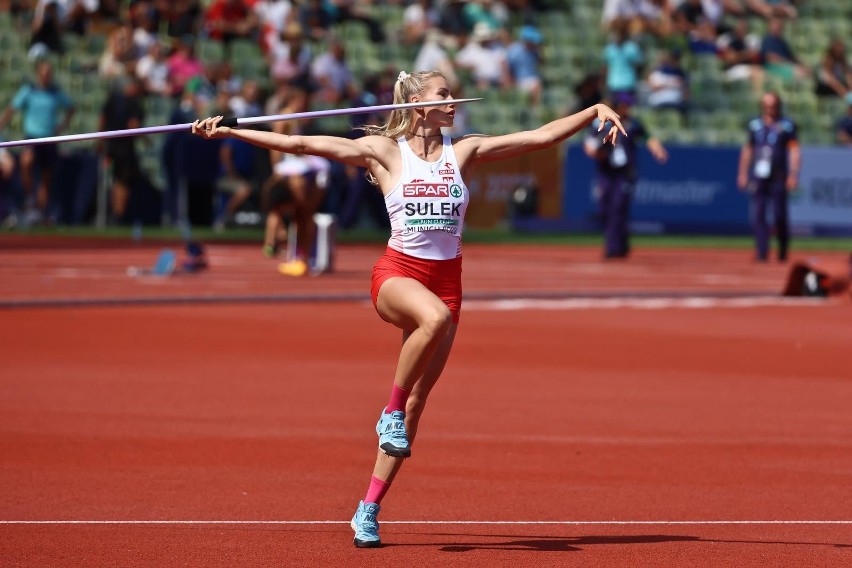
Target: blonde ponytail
x,y
399,122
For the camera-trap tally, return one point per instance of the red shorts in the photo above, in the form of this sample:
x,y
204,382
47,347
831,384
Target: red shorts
x,y
441,277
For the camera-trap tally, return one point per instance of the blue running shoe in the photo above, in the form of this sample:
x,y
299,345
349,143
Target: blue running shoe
x,y
393,439
366,526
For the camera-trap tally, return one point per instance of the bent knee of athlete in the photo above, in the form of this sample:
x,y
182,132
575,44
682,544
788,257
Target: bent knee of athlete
x,y
436,319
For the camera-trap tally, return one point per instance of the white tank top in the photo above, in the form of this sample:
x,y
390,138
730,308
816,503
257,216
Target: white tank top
x,y
426,208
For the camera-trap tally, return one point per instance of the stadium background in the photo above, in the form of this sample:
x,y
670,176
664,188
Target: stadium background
x,y
573,42
670,410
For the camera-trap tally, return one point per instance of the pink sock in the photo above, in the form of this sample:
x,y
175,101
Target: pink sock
x,y
377,490
397,400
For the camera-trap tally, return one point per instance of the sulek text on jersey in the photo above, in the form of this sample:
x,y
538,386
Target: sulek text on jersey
x,y
443,209
430,207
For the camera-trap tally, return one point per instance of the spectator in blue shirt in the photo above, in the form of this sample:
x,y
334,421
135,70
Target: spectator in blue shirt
x,y
622,59
524,58
41,104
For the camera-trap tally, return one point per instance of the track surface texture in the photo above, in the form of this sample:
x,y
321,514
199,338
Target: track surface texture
x,y
670,410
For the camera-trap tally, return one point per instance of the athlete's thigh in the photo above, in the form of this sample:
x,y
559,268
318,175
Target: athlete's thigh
x,y
405,302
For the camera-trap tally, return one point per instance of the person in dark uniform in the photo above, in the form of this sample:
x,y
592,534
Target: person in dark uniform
x,y
617,174
769,171
123,109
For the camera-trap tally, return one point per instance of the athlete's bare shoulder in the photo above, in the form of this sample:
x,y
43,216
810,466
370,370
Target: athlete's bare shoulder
x,y
377,142
380,148
385,159
465,147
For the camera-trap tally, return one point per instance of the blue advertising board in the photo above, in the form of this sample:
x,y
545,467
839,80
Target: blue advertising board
x,y
823,203
693,192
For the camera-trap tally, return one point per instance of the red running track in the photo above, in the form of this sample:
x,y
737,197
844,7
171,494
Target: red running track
x,y
264,412
34,269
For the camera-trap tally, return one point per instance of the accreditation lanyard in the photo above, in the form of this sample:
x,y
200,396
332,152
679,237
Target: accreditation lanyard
x,y
618,157
766,138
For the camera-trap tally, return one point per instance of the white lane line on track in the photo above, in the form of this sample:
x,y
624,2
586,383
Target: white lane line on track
x,y
697,302
319,522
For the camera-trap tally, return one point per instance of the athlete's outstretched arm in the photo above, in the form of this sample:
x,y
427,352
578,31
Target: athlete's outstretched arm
x,y
487,148
351,152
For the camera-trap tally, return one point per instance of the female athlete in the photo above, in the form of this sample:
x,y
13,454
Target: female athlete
x,y
416,284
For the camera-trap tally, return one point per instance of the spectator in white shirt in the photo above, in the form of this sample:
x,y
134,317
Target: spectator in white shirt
x,y
433,56
290,58
332,75
640,16
668,84
419,17
485,56
274,17
144,31
153,70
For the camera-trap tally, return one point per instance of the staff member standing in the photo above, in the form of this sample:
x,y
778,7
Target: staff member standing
x,y
769,170
616,176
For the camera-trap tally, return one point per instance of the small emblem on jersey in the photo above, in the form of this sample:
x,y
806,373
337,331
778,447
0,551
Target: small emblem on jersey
x,y
448,179
425,190
447,170
417,181
456,190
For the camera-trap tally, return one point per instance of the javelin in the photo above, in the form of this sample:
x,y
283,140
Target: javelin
x,y
232,122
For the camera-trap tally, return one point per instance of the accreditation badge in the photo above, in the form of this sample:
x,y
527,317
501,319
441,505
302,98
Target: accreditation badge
x,y
763,163
618,157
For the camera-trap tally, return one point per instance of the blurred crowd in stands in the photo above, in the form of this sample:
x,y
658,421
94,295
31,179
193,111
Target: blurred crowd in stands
x,y
151,51
709,28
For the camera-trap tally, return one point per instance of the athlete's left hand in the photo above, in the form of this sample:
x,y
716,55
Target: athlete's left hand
x,y
606,114
209,128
